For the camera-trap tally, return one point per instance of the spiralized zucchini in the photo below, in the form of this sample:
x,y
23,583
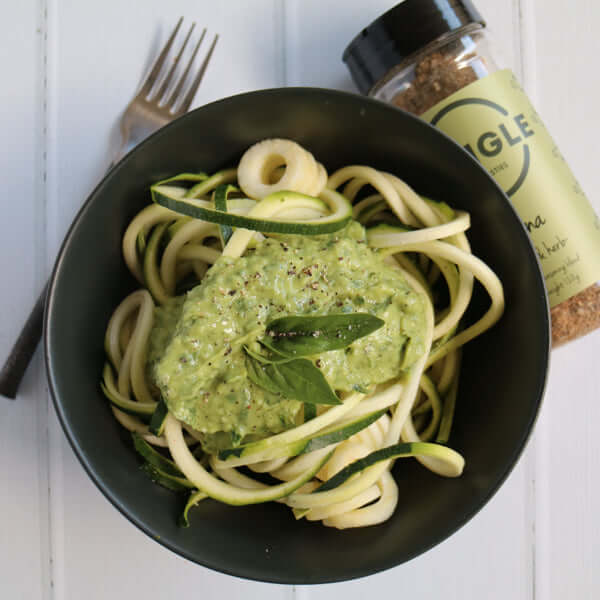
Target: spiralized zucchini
x,y
335,466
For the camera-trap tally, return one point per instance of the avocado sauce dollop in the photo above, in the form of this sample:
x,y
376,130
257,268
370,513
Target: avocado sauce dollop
x,y
196,357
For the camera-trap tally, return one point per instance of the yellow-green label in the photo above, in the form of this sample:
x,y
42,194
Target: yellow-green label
x,y
495,121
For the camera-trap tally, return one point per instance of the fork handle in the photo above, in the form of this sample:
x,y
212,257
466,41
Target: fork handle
x,y
22,352
24,348
20,356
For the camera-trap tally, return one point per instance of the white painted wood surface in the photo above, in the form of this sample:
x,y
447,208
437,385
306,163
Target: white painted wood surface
x,y
68,70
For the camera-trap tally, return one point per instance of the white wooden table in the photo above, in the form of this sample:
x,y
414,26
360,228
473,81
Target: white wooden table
x,y
68,69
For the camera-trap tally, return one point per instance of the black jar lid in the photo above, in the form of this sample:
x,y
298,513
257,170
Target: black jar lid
x,y
400,32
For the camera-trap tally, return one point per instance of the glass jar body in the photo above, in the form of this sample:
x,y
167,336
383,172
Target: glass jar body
x,y
435,72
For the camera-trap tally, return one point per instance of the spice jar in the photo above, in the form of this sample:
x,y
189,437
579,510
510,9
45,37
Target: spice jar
x,y
432,58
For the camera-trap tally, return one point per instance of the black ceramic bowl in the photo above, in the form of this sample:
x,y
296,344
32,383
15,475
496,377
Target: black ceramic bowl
x,y
503,373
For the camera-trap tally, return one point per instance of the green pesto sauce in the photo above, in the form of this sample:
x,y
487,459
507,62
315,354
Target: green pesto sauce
x,y
196,358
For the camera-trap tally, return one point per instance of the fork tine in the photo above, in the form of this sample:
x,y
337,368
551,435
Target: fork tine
x,y
167,80
152,77
187,100
175,94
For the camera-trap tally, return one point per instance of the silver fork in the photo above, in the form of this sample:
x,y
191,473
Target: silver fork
x,y
149,110
157,104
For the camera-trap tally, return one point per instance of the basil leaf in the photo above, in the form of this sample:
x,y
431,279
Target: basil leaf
x,y
296,379
256,356
308,335
260,374
305,382
266,360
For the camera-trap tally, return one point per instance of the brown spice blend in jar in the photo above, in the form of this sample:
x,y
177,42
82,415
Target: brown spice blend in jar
x,y
437,76
576,316
420,53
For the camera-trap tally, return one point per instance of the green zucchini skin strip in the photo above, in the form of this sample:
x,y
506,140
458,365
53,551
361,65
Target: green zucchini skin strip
x,y
170,482
326,437
139,409
290,437
187,206
442,207
448,409
154,458
310,411
141,244
195,177
194,498
174,227
157,421
150,265
220,200
144,412
335,436
224,492
396,451
160,469
211,182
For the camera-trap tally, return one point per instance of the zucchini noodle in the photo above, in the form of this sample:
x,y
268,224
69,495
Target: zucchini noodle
x,y
334,464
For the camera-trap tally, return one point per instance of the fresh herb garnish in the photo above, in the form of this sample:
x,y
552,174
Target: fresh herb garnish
x,y
288,339
296,379
308,335
267,360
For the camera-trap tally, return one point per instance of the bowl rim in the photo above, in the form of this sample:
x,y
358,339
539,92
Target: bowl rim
x,y
113,498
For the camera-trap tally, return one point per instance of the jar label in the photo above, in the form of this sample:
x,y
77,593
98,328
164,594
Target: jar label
x,y
495,121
